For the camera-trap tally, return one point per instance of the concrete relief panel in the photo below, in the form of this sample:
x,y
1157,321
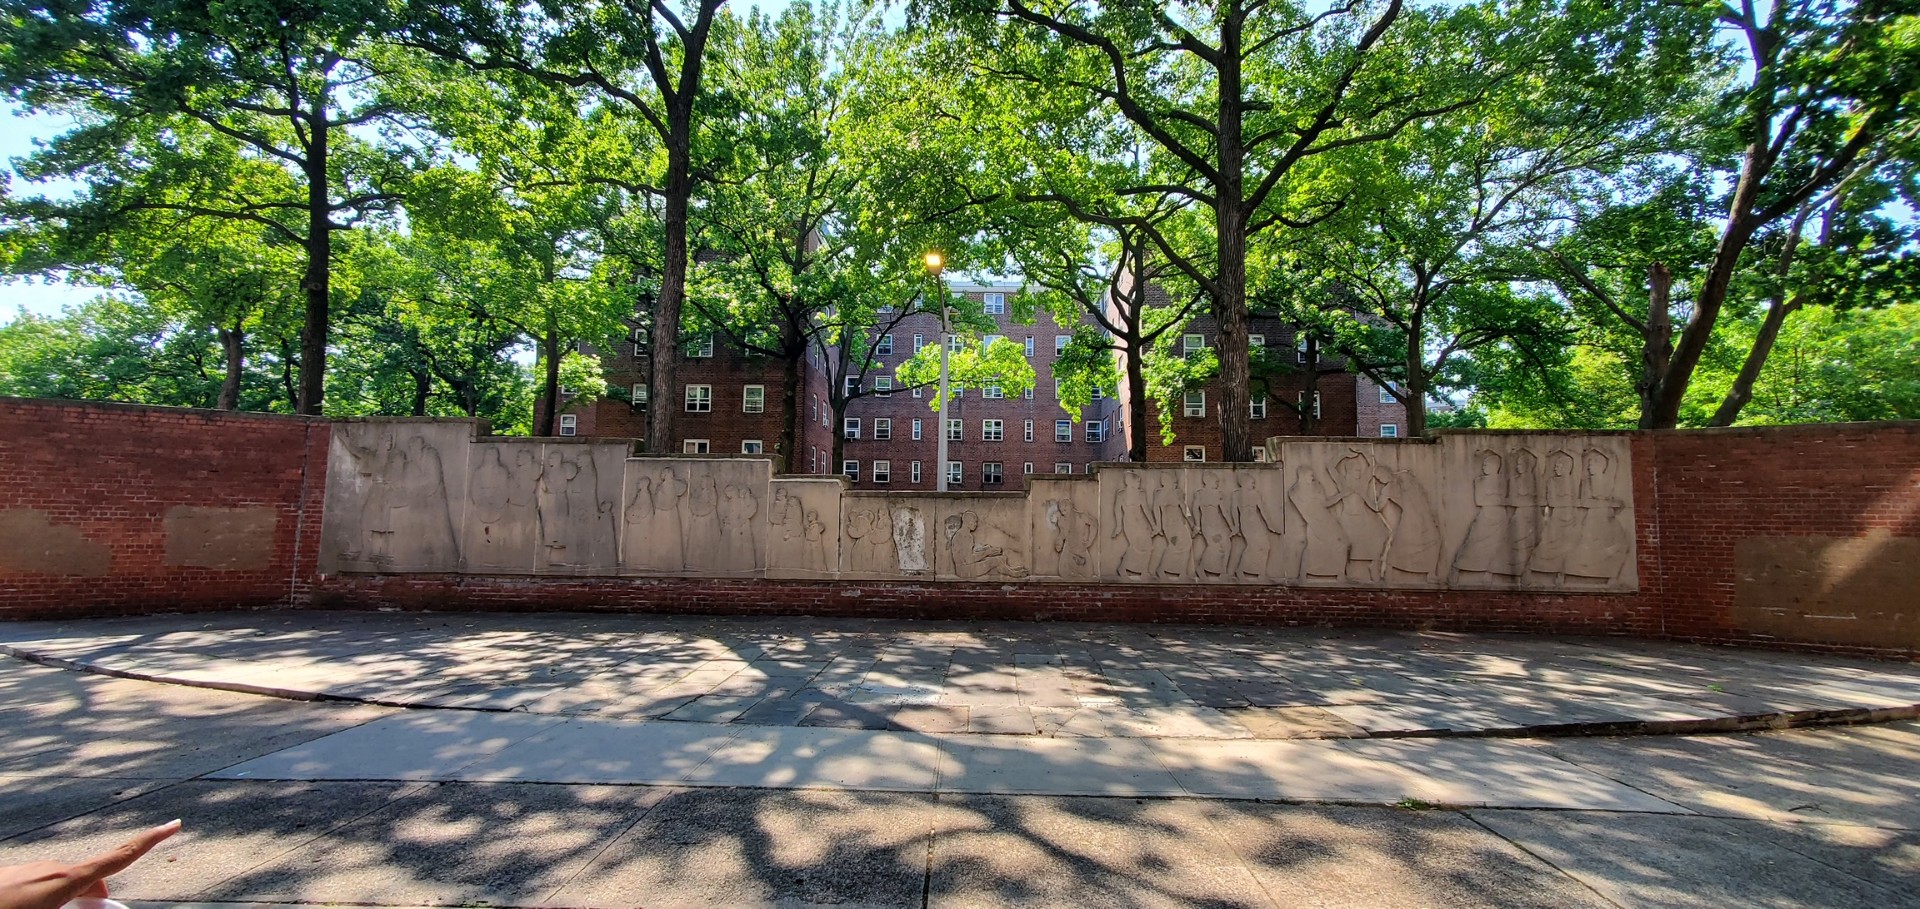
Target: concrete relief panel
x,y
1065,518
1258,547
501,533
885,536
802,533
1538,512
983,537
578,497
396,491
695,517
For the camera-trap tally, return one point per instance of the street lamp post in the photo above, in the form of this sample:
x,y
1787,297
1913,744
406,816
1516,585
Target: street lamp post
x,y
936,264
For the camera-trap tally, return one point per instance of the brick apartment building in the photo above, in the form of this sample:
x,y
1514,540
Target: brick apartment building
x,y
731,404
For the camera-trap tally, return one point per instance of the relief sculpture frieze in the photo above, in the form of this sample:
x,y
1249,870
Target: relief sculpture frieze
x,y
1480,510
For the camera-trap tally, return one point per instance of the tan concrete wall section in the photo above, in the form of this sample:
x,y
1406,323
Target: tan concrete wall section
x,y
1505,511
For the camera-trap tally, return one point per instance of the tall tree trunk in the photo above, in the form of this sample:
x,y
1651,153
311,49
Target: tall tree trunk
x,y
1657,345
1414,396
233,343
1780,306
673,281
1230,223
550,352
313,337
422,389
1137,402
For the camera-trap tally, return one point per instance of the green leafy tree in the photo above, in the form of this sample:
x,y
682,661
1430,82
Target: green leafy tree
x,y
290,84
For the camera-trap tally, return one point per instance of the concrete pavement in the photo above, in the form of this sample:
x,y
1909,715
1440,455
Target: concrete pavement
x,y
308,803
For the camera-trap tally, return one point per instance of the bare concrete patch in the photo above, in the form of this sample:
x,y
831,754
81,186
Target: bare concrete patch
x,y
1863,590
228,538
30,543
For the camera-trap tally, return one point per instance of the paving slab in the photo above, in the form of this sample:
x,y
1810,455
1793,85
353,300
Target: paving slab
x,y
450,844
1293,770
1509,774
1038,766
1336,857
800,757
743,847
227,829
1686,862
35,801
419,745
603,751
1085,852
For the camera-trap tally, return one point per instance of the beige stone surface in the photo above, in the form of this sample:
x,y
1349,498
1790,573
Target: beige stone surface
x,y
31,543
1521,511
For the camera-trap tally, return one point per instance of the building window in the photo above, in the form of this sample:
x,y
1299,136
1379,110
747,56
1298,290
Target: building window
x,y
990,472
1389,431
1194,453
1300,350
987,341
1260,455
699,399
1256,341
1027,469
694,446
993,391
913,471
953,430
752,446
754,400
957,393
701,347
954,344
850,387
569,424
954,473
640,396
1062,467
1029,345
850,470
1098,395
1096,431
1196,404
916,391
996,304
883,386
919,341
883,471
882,428
1029,430
1300,400
1257,407
1028,394
885,347
1386,395
1192,344
916,429
1063,430
639,350
993,431
1060,343
850,428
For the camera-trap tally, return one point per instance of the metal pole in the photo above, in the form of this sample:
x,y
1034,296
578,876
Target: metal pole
x,y
946,348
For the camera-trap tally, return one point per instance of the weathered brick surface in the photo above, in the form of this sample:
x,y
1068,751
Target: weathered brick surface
x,y
114,471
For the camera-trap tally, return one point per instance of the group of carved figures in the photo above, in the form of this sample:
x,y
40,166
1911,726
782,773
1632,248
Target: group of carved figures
x,y
1334,515
1568,525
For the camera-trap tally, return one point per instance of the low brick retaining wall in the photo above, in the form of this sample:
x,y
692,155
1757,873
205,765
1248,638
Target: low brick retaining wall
x,y
1805,536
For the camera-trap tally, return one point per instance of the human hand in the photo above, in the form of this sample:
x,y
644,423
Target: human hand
x,y
49,885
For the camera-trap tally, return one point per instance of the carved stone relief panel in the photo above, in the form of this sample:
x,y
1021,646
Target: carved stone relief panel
x,y
1538,512
887,536
983,537
501,534
396,492
802,532
1065,517
579,505
695,517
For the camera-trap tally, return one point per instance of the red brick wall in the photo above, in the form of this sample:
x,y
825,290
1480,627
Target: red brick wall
x,y
1703,498
113,472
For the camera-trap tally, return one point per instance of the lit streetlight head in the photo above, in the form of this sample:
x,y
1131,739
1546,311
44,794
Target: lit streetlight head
x,y
935,263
